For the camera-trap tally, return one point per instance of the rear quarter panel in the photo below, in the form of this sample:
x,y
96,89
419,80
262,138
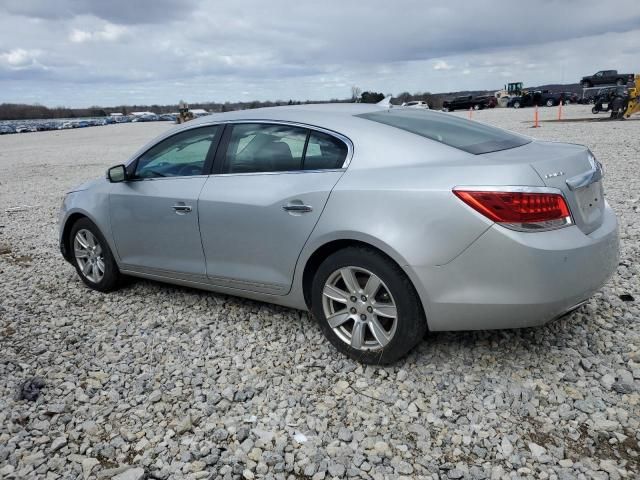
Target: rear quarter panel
x,y
397,196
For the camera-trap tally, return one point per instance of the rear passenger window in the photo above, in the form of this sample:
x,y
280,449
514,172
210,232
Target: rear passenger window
x,y
257,148
324,151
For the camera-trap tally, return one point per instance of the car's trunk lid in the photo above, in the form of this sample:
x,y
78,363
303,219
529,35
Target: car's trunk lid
x,y
562,164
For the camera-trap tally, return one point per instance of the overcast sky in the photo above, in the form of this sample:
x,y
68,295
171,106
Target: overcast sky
x,y
109,52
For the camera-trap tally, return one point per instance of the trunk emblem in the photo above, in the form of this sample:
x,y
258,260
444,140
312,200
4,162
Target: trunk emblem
x,y
554,174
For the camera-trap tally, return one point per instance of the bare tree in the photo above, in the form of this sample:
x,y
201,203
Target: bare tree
x,y
355,93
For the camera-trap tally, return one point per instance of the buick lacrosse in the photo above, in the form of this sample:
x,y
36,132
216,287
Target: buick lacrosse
x,y
384,222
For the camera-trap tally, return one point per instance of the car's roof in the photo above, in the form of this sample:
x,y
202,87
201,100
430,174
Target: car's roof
x,y
294,112
370,137
339,117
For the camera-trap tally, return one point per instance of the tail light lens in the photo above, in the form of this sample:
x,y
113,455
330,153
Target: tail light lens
x,y
525,211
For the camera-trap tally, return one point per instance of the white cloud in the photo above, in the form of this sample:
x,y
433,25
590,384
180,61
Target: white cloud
x,y
158,51
79,36
109,33
442,65
20,58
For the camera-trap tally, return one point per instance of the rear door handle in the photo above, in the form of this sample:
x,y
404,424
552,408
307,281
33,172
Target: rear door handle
x,y
182,208
297,208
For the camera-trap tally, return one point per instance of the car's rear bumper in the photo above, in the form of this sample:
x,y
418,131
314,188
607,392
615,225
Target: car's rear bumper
x,y
509,279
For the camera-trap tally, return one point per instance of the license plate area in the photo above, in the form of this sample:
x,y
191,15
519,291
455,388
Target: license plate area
x,y
590,202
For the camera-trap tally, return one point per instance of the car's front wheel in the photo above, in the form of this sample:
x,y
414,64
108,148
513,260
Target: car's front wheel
x,y
366,306
92,256
550,102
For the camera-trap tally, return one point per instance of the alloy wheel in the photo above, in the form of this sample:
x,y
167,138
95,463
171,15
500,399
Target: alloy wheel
x,y
89,255
360,309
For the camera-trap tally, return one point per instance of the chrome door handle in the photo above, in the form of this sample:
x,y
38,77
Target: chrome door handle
x,y
182,208
297,207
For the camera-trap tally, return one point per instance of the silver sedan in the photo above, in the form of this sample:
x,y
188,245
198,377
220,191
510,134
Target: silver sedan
x,y
384,222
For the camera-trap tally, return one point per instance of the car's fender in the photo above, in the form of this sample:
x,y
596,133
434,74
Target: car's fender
x,y
92,203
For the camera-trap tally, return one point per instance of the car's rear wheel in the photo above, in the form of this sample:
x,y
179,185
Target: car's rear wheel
x,y
550,103
620,82
516,104
366,306
92,256
476,107
586,84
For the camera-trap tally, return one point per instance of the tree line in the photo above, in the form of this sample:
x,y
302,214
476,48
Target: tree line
x,y
19,111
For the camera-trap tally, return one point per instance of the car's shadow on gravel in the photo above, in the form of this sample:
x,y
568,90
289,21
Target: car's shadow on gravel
x,y
521,346
506,347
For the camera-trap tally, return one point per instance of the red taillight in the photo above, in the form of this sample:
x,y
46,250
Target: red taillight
x,y
526,211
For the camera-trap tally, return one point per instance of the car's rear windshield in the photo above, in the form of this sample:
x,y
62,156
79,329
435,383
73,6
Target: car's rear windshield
x,y
472,137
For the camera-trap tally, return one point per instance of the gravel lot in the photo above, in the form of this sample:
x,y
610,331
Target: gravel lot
x,y
155,381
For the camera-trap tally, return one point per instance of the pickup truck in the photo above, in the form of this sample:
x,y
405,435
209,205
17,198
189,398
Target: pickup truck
x,y
466,102
606,77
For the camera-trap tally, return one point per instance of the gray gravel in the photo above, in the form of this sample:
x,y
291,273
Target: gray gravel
x,y
156,381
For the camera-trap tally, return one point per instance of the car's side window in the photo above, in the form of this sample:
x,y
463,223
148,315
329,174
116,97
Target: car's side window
x,y
180,155
324,151
255,147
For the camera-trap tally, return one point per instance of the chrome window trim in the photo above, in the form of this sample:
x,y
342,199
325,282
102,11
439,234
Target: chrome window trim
x,y
166,178
169,134
343,138
283,172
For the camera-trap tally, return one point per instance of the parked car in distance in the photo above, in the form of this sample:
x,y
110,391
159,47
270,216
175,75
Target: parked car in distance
x,y
569,97
536,98
6,129
606,77
468,226
416,104
466,102
146,118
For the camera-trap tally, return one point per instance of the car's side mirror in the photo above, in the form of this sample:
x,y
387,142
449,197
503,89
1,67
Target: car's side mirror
x,y
117,174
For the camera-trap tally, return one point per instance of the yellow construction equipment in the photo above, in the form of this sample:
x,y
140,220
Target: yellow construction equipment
x,y
625,101
633,104
184,114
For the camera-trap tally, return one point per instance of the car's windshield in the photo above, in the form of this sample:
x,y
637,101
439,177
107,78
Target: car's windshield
x,y
472,137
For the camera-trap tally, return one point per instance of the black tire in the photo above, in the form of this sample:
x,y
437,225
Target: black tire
x,y
111,276
586,84
411,323
595,110
516,104
550,102
620,82
477,107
